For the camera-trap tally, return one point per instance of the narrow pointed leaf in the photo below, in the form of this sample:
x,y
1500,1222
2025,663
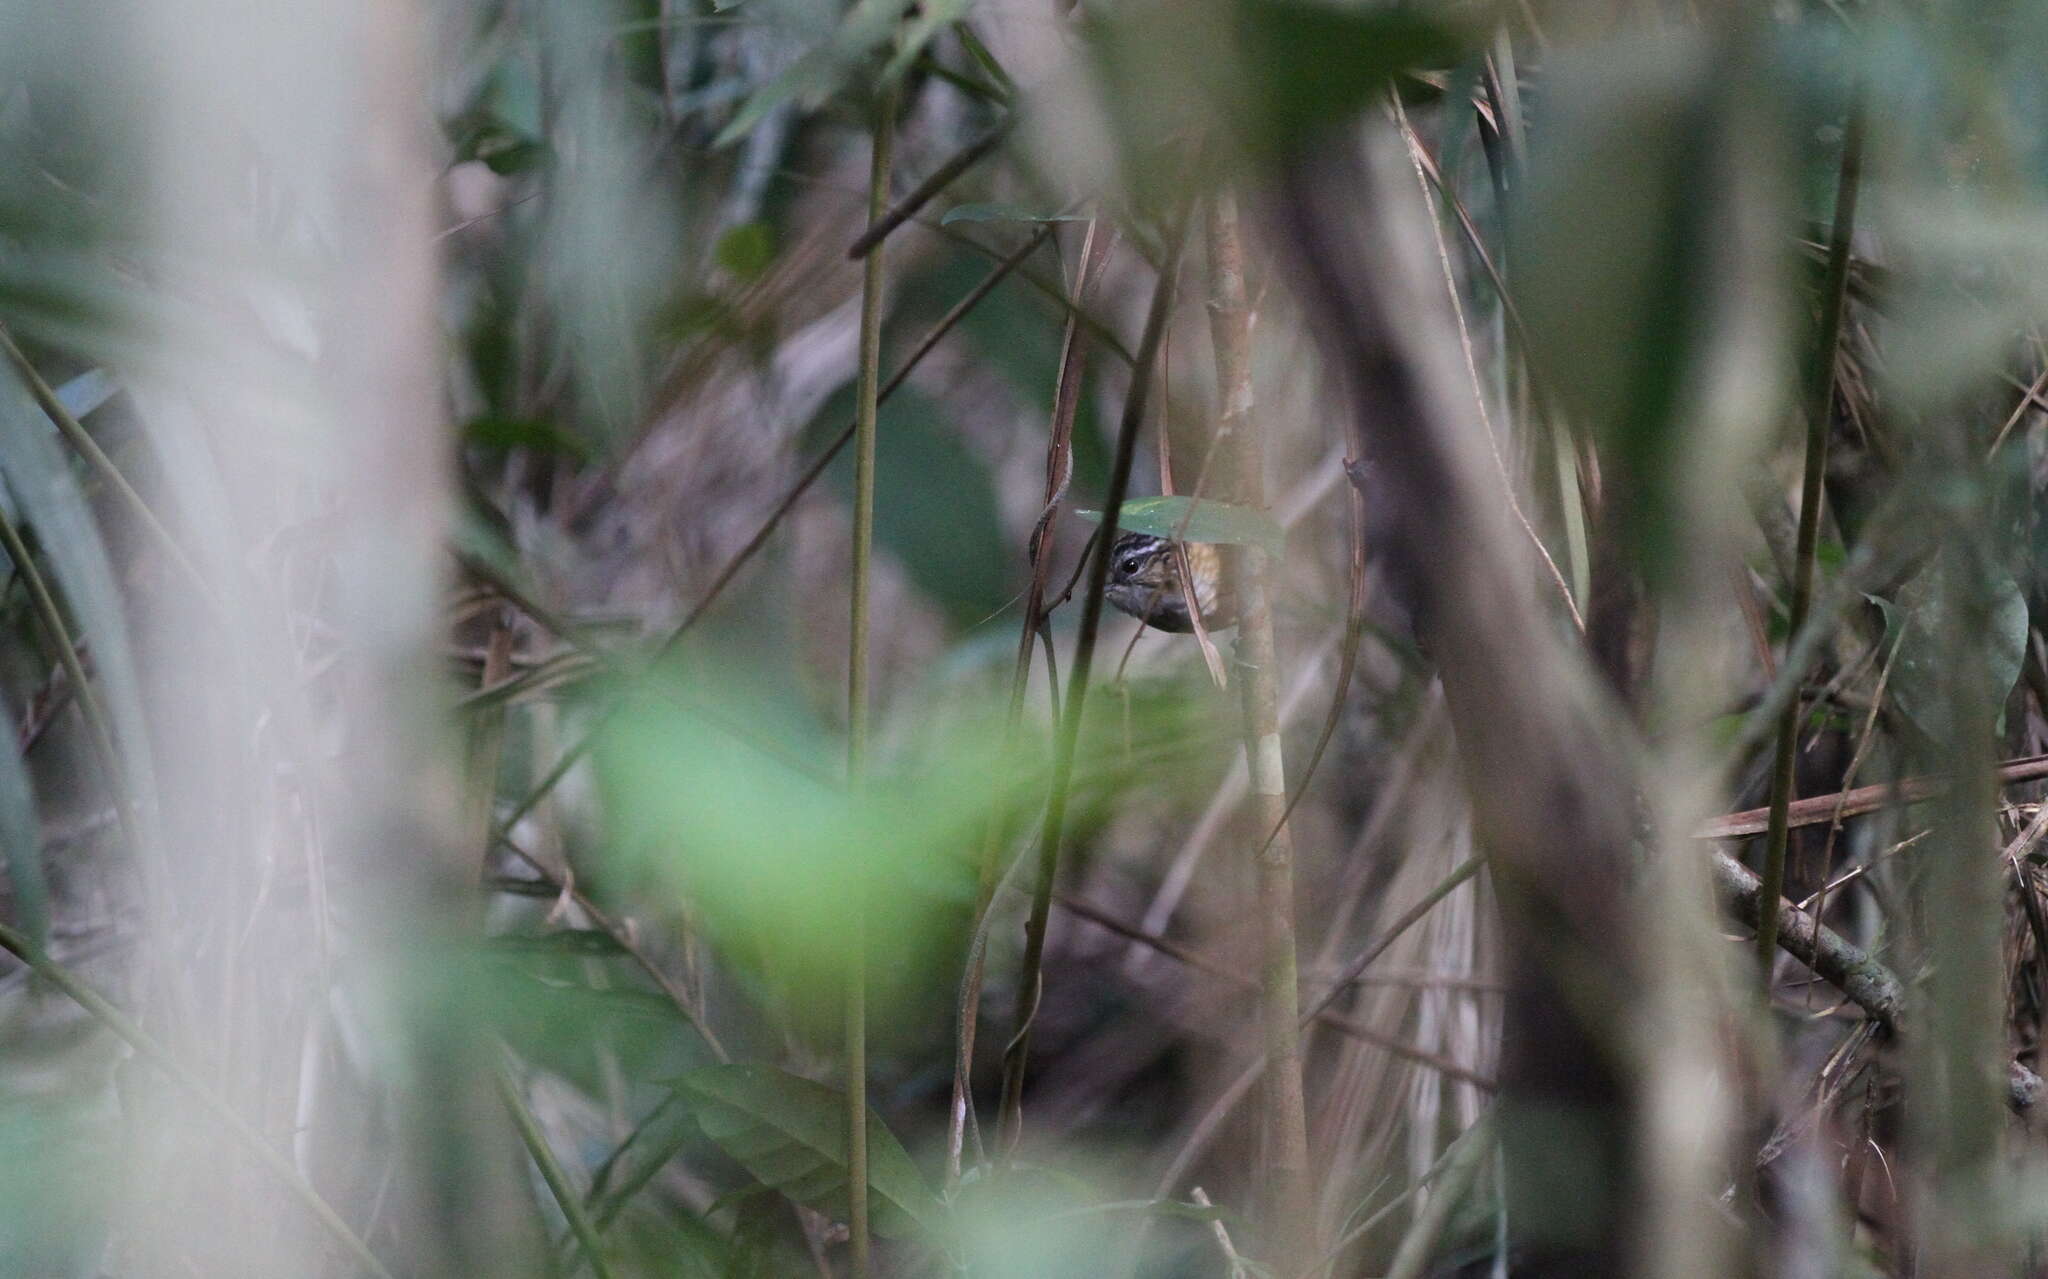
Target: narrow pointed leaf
x,y
790,1132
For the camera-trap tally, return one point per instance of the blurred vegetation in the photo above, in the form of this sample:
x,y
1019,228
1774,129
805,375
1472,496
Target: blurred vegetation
x,y
1628,423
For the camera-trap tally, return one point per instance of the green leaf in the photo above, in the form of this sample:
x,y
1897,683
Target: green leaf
x,y
1003,213
1312,65
935,504
48,495
21,837
1929,603
746,250
562,941
929,18
660,1137
493,432
726,792
790,1133
822,71
1205,520
1620,331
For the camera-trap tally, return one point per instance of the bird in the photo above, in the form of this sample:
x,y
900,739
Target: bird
x,y
1145,582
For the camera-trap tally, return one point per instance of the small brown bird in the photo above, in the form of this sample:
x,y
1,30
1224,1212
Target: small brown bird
x,y
1144,581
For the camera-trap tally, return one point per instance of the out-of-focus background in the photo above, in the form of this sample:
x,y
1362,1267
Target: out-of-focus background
x,y
439,835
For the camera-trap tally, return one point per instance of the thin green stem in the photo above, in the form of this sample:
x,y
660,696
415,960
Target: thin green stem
x,y
1053,831
867,401
149,1050
576,750
1059,474
1820,394
551,1171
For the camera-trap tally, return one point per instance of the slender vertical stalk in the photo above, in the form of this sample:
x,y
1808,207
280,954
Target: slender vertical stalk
x,y
1010,1121
552,1172
1059,473
1820,394
1230,326
866,401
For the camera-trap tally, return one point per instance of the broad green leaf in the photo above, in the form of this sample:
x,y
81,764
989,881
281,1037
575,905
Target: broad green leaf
x,y
790,1132
1003,213
1622,330
660,1137
1202,520
727,794
935,504
562,941
746,250
1312,65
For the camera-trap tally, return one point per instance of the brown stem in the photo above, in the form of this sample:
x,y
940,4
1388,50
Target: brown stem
x,y
1230,326
1820,395
1010,1120
1059,473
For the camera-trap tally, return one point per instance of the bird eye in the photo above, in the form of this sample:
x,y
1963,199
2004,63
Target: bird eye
x,y
1129,564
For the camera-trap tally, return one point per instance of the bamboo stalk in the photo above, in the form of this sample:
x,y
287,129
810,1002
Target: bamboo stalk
x,y
1820,394
1059,473
867,400
1256,657
1053,831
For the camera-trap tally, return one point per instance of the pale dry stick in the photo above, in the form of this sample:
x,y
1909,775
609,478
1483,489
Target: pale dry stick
x,y
2027,401
1816,809
1443,254
1096,244
1222,1233
1347,663
1857,872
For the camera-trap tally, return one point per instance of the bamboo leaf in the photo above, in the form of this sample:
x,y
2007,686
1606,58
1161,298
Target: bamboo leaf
x,y
790,1132
820,73
1205,520
21,838
1003,213
47,493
